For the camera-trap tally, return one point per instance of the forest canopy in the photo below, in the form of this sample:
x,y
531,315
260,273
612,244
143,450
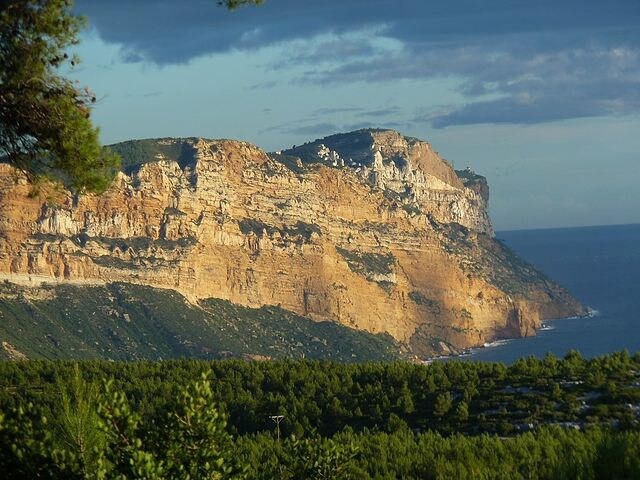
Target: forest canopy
x,y
549,418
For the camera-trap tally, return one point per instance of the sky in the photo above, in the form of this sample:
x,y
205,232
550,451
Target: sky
x,y
542,97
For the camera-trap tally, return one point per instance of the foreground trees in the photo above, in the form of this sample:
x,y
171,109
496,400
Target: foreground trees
x,y
45,126
551,418
201,449
103,437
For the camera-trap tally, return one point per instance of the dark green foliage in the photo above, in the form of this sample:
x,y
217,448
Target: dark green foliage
x,y
45,129
277,332
191,442
233,4
169,420
126,453
443,404
199,444
28,447
136,153
320,458
327,396
128,322
549,453
301,229
355,145
489,258
134,243
367,263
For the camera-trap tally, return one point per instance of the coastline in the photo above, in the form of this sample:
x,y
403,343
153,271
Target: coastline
x,y
546,326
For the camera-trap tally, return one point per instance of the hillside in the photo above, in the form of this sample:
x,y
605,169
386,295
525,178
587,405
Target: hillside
x,y
120,321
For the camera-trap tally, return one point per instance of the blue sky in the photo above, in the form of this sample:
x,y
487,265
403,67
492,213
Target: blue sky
x,y
542,97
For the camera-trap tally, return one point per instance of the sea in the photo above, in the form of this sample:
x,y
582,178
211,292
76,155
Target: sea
x,y
600,266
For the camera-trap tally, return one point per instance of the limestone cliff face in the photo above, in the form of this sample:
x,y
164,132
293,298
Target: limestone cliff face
x,y
407,170
372,230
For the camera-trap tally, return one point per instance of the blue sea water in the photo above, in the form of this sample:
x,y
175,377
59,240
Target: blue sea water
x,y
600,266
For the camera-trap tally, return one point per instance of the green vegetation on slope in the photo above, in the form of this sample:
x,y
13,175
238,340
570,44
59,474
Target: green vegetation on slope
x,y
300,229
365,263
138,152
125,243
494,261
121,321
354,145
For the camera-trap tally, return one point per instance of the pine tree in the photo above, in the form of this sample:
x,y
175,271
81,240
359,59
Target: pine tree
x,y
45,126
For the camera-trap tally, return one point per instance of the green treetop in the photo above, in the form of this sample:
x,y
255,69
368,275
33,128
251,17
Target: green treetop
x,y
45,129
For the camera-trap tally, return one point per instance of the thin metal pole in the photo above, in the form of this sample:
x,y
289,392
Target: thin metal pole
x,y
277,419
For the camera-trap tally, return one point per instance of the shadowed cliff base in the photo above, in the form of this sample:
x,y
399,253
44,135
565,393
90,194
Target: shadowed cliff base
x,y
128,322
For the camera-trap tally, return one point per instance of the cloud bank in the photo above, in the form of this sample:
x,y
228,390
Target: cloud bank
x,y
514,62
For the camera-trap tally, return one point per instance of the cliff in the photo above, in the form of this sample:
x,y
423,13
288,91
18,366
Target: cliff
x,y
409,172
370,230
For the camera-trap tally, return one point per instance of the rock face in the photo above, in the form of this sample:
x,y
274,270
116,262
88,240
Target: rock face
x,y
408,171
369,229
